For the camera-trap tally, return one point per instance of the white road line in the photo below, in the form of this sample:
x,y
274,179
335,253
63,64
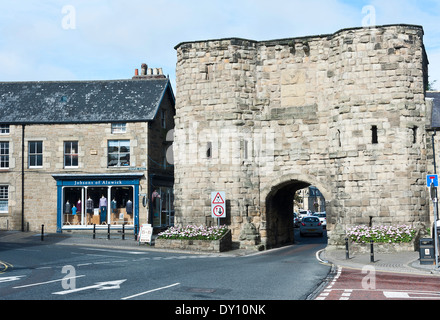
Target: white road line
x,y
41,283
149,291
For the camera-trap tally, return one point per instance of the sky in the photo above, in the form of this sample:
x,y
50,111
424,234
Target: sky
x,y
43,40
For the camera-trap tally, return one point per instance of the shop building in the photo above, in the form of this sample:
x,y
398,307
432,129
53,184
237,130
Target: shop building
x,y
78,153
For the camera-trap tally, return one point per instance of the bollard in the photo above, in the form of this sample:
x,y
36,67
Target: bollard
x,y
94,231
123,231
372,251
42,232
108,232
347,254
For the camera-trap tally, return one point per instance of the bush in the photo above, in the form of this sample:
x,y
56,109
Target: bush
x,y
382,234
194,233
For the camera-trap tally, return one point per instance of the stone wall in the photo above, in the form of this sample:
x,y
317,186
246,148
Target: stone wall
x,y
260,120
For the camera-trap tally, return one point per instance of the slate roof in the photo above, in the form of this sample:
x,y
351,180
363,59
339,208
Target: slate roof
x,y
82,101
435,117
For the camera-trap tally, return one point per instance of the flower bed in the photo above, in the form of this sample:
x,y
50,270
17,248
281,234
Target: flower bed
x,y
193,238
386,239
193,233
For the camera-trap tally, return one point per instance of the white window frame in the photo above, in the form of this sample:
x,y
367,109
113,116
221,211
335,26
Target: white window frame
x,y
118,153
4,157
35,154
71,154
4,197
119,128
4,129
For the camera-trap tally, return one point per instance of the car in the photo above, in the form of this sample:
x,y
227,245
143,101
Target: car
x,y
296,220
302,214
322,217
311,225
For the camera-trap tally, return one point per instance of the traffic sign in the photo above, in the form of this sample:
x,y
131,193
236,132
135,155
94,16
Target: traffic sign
x,y
432,179
218,204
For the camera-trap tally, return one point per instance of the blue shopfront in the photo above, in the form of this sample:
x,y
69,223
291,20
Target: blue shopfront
x,y
85,201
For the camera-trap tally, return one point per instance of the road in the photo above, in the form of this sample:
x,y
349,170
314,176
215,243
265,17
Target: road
x,y
59,272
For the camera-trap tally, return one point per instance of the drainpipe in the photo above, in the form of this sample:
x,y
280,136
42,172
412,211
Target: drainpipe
x,y
433,150
22,176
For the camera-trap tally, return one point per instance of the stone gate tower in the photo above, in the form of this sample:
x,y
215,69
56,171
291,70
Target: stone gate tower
x,y
344,112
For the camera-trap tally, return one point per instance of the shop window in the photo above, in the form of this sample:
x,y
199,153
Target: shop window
x,y
71,154
35,154
4,198
4,155
119,127
91,205
4,128
118,153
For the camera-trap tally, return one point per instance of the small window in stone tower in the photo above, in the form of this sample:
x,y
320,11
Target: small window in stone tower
x,y
414,138
208,71
209,150
374,138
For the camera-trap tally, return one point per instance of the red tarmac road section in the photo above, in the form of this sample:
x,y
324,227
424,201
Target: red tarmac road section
x,y
368,284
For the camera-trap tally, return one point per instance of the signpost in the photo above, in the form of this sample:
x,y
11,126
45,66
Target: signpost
x,y
218,205
432,184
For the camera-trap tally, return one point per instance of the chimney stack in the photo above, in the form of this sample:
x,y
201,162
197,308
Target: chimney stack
x,y
148,73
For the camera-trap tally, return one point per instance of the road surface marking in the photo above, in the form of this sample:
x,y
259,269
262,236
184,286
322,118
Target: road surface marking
x,y
41,283
149,291
8,279
109,285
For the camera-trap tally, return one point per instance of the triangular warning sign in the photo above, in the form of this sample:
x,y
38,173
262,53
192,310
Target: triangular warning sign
x,y
218,199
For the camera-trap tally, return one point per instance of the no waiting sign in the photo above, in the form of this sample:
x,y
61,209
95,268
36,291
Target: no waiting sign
x,y
218,204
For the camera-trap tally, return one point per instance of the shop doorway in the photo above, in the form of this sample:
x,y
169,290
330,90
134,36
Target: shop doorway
x,y
162,206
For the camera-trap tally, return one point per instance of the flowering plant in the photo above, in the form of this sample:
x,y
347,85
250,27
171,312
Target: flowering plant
x,y
382,234
194,233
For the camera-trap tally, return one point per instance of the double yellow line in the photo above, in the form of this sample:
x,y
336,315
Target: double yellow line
x,y
4,266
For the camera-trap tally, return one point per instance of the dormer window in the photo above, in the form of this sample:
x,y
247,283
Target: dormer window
x,y
119,127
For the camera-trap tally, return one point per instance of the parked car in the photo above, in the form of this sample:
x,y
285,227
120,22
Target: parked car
x,y
311,225
302,214
296,220
322,217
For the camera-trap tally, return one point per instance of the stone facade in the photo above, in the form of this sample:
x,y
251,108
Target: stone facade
x,y
344,112
40,203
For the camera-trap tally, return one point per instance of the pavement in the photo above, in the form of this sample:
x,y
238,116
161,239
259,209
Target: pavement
x,y
101,240
402,262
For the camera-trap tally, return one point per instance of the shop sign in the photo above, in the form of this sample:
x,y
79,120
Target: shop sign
x,y
145,233
100,182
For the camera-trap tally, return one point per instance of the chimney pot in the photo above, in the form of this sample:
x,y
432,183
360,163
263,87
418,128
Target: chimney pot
x,y
136,72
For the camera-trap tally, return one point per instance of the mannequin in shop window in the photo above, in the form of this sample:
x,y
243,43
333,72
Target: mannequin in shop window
x,y
89,209
113,205
129,207
67,208
67,211
103,209
78,206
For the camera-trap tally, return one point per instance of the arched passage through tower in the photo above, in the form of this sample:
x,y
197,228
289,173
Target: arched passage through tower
x,y
279,212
